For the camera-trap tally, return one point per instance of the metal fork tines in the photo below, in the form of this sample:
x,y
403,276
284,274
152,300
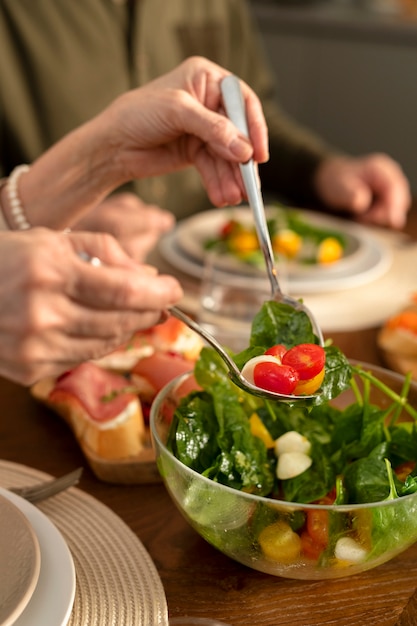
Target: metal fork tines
x,y
46,489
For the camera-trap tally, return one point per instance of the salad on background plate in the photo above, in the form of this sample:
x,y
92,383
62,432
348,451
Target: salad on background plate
x,y
351,254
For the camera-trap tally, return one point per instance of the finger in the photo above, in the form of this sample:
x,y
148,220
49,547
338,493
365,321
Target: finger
x,y
221,179
114,327
42,359
101,245
258,131
138,246
214,129
118,288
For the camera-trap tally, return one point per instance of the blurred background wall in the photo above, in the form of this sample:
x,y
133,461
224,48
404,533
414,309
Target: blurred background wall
x,y
347,69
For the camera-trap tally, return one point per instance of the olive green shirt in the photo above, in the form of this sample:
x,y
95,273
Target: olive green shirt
x,y
63,61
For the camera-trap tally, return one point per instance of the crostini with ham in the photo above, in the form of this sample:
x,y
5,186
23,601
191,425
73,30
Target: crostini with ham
x,y
398,339
102,409
107,402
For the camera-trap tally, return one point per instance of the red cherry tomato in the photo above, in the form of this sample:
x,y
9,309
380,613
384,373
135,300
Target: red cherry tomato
x,y
318,526
278,378
227,228
277,351
307,359
309,548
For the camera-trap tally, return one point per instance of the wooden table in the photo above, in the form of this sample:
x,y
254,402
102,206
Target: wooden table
x,y
199,580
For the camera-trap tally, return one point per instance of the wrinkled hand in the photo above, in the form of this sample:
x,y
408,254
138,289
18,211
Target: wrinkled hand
x,y
178,120
373,188
58,311
137,226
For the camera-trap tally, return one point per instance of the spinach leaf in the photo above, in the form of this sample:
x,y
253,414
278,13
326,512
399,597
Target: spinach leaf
x,y
280,323
243,458
366,479
357,431
337,377
194,427
403,443
314,483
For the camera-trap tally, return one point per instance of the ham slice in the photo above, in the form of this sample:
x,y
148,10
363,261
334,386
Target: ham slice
x,y
152,373
102,394
104,414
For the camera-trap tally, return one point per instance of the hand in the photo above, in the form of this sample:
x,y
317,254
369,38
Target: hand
x,y
136,226
169,124
373,188
58,311
178,120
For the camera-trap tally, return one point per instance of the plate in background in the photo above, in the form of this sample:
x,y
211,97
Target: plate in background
x,y
374,261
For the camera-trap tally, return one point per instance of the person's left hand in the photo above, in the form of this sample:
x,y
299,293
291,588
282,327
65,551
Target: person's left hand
x,y
373,188
137,226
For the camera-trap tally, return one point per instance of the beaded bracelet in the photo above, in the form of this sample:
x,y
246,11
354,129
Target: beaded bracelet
x,y
17,213
4,225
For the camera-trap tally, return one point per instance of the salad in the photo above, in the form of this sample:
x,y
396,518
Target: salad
x,y
308,452
292,237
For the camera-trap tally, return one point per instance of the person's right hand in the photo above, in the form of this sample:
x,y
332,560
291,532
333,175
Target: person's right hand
x,y
58,311
169,124
178,120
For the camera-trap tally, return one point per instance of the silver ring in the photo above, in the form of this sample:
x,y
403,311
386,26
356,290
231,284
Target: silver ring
x,y
92,260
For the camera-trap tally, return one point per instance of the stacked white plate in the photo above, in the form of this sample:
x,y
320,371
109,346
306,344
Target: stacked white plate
x,y
37,574
81,565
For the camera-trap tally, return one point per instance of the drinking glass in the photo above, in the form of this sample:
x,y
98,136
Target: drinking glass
x,y
230,300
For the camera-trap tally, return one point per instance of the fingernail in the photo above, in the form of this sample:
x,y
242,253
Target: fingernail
x,y
241,148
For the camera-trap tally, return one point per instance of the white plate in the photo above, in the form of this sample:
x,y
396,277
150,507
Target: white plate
x,y
374,261
51,602
20,561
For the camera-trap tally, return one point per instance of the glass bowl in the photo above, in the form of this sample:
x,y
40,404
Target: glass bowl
x,y
264,533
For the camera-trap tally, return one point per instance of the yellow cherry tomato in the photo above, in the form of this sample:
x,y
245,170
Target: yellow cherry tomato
x,y
306,387
362,523
287,243
258,429
329,250
243,242
280,543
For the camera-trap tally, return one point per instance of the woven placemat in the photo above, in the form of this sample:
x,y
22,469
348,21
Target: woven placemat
x,y
117,583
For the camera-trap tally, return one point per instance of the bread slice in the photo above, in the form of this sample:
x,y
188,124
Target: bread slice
x,y
398,340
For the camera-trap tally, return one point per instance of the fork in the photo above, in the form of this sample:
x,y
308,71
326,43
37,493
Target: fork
x,y
235,109
48,488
